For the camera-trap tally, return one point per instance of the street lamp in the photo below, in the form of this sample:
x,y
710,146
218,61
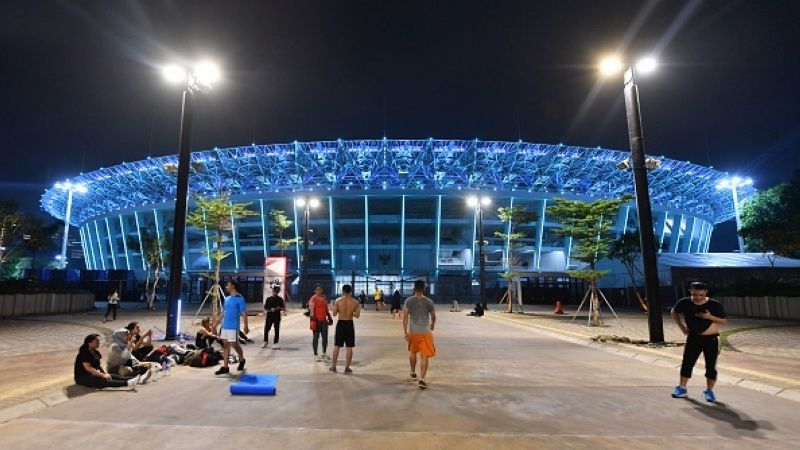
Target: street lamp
x,y
306,205
478,203
734,183
199,78
70,188
609,67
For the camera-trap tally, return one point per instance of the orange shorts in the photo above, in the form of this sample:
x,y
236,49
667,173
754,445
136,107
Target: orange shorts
x,y
421,343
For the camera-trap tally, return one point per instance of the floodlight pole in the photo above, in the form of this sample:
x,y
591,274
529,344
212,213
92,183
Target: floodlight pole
x,y
643,210
737,214
304,275
179,228
481,255
67,217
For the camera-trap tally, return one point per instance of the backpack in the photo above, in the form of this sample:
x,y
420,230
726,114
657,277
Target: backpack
x,y
205,358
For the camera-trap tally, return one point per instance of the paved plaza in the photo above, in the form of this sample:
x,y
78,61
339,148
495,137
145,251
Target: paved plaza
x,y
504,381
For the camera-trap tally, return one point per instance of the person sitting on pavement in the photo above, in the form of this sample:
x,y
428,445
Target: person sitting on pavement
x,y
477,312
205,335
142,344
89,372
121,360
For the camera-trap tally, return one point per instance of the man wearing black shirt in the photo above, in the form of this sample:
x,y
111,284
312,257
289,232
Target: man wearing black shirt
x,y
702,317
273,307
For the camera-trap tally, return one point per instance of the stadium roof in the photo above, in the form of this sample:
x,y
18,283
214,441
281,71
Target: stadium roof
x,y
720,260
405,165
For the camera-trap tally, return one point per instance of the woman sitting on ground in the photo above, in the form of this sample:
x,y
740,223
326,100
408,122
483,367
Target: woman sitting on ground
x,y
205,335
121,360
89,372
142,344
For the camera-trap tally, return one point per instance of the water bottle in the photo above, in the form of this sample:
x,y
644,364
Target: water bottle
x,y
165,368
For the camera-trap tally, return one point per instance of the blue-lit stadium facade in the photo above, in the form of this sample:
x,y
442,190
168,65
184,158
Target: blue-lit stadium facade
x,y
388,208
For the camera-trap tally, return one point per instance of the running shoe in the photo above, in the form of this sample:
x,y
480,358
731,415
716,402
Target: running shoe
x,y
709,395
222,371
265,345
132,383
348,371
240,367
333,369
423,384
276,346
317,358
145,377
413,377
680,392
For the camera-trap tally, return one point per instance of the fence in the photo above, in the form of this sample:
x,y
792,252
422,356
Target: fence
x,y
13,305
762,307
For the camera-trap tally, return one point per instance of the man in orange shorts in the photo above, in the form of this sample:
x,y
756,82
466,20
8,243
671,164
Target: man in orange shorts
x,y
419,318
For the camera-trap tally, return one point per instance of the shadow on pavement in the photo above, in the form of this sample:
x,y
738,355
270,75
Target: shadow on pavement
x,y
739,422
76,390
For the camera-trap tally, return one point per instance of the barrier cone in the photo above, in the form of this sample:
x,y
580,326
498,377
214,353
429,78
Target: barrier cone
x,y
559,308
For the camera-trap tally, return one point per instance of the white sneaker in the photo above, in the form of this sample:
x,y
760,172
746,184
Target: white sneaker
x,y
132,383
143,379
265,345
276,346
325,357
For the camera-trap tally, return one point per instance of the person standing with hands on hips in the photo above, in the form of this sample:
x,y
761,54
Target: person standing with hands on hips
x,y
701,320
419,319
320,319
234,308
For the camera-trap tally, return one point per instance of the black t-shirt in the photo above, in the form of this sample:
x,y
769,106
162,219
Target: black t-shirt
x,y
695,324
273,302
85,355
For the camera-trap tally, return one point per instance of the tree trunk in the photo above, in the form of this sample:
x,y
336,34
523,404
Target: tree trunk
x,y
642,301
147,297
594,298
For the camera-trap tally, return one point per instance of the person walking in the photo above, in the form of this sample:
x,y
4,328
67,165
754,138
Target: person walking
x,y
419,319
273,307
234,308
702,317
378,296
397,305
347,308
320,318
362,298
111,308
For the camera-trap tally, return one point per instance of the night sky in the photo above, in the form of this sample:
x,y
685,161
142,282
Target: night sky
x,y
80,85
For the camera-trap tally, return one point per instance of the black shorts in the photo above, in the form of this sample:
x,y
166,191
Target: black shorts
x,y
345,334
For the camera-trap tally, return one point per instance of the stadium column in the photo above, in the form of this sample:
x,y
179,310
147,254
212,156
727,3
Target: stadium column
x,y
111,245
366,235
677,232
332,240
403,237
100,246
690,234
124,242
141,246
85,250
540,234
264,230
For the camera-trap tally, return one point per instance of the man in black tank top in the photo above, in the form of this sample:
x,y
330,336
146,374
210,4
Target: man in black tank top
x,y
701,320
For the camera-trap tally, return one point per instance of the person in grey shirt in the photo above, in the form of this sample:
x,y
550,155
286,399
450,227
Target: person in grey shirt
x,y
419,319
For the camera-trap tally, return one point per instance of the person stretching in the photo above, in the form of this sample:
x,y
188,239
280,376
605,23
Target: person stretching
x,y
419,319
347,308
703,317
234,308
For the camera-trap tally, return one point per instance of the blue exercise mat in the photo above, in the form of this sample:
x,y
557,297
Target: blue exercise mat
x,y
255,384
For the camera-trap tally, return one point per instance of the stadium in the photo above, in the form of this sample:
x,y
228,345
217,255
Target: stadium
x,y
389,210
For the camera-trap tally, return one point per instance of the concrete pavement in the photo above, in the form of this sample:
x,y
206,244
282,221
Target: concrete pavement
x,y
492,385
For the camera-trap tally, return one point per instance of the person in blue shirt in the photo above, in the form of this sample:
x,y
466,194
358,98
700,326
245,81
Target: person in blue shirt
x,y
233,308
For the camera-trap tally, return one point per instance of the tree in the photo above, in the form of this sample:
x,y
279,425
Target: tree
x,y
514,216
280,223
38,236
11,220
216,215
771,220
154,253
591,224
627,250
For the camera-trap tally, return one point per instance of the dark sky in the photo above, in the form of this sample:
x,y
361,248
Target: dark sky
x,y
80,86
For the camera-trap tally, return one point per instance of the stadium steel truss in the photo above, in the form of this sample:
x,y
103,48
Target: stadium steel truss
x,y
431,166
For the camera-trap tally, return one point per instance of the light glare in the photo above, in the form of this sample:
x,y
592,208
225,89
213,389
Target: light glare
x,y
300,202
174,73
646,65
472,201
314,202
207,73
610,65
486,201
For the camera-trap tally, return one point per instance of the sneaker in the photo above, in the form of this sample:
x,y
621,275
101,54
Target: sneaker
x,y
423,384
709,395
413,376
265,345
333,369
326,357
680,392
132,383
240,367
348,371
144,378
317,358
222,371
276,346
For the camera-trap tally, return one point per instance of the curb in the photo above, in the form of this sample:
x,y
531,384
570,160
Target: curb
x,y
658,358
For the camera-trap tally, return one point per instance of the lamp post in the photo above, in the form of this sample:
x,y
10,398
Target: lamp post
x,y
734,183
306,205
200,78
611,66
71,188
478,203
